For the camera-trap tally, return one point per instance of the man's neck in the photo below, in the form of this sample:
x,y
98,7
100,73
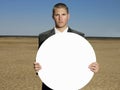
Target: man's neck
x,y
61,29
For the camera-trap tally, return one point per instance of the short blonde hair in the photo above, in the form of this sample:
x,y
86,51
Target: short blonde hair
x,y
60,5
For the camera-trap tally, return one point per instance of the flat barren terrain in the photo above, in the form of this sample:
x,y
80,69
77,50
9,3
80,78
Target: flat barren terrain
x,y
17,55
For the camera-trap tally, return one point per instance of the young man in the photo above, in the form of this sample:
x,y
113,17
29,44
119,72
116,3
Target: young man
x,y
60,16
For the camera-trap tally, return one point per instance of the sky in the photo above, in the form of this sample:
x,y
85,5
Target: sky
x,y
99,18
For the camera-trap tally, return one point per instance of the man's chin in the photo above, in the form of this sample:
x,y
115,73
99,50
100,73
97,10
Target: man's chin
x,y
60,26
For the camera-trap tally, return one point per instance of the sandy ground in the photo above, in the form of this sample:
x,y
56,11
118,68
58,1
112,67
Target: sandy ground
x,y
18,54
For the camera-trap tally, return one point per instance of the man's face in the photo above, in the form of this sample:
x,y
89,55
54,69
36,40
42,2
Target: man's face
x,y
60,17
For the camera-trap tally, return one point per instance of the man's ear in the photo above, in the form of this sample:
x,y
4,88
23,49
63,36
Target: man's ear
x,y
52,16
68,16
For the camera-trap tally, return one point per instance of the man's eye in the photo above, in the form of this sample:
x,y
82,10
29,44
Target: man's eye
x,y
56,14
63,14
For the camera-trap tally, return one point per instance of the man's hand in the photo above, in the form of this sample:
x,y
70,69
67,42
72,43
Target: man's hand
x,y
94,67
37,66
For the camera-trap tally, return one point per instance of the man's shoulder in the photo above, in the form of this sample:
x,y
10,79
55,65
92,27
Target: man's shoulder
x,y
77,32
46,32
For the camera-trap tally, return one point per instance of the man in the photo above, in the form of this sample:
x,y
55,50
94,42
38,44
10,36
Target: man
x,y
60,16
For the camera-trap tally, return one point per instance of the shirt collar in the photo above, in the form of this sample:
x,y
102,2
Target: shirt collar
x,y
57,31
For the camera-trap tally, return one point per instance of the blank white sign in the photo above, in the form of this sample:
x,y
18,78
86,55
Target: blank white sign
x,y
65,59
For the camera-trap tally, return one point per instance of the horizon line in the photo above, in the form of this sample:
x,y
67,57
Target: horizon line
x,y
35,36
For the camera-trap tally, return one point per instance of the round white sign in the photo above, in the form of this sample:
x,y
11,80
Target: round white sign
x,y
65,59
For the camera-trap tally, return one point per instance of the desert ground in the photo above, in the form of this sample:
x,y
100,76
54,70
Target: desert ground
x,y
17,55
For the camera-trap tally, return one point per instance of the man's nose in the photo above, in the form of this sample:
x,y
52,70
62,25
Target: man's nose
x,y
60,17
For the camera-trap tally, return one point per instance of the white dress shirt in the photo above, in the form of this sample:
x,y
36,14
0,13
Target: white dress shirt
x,y
57,31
